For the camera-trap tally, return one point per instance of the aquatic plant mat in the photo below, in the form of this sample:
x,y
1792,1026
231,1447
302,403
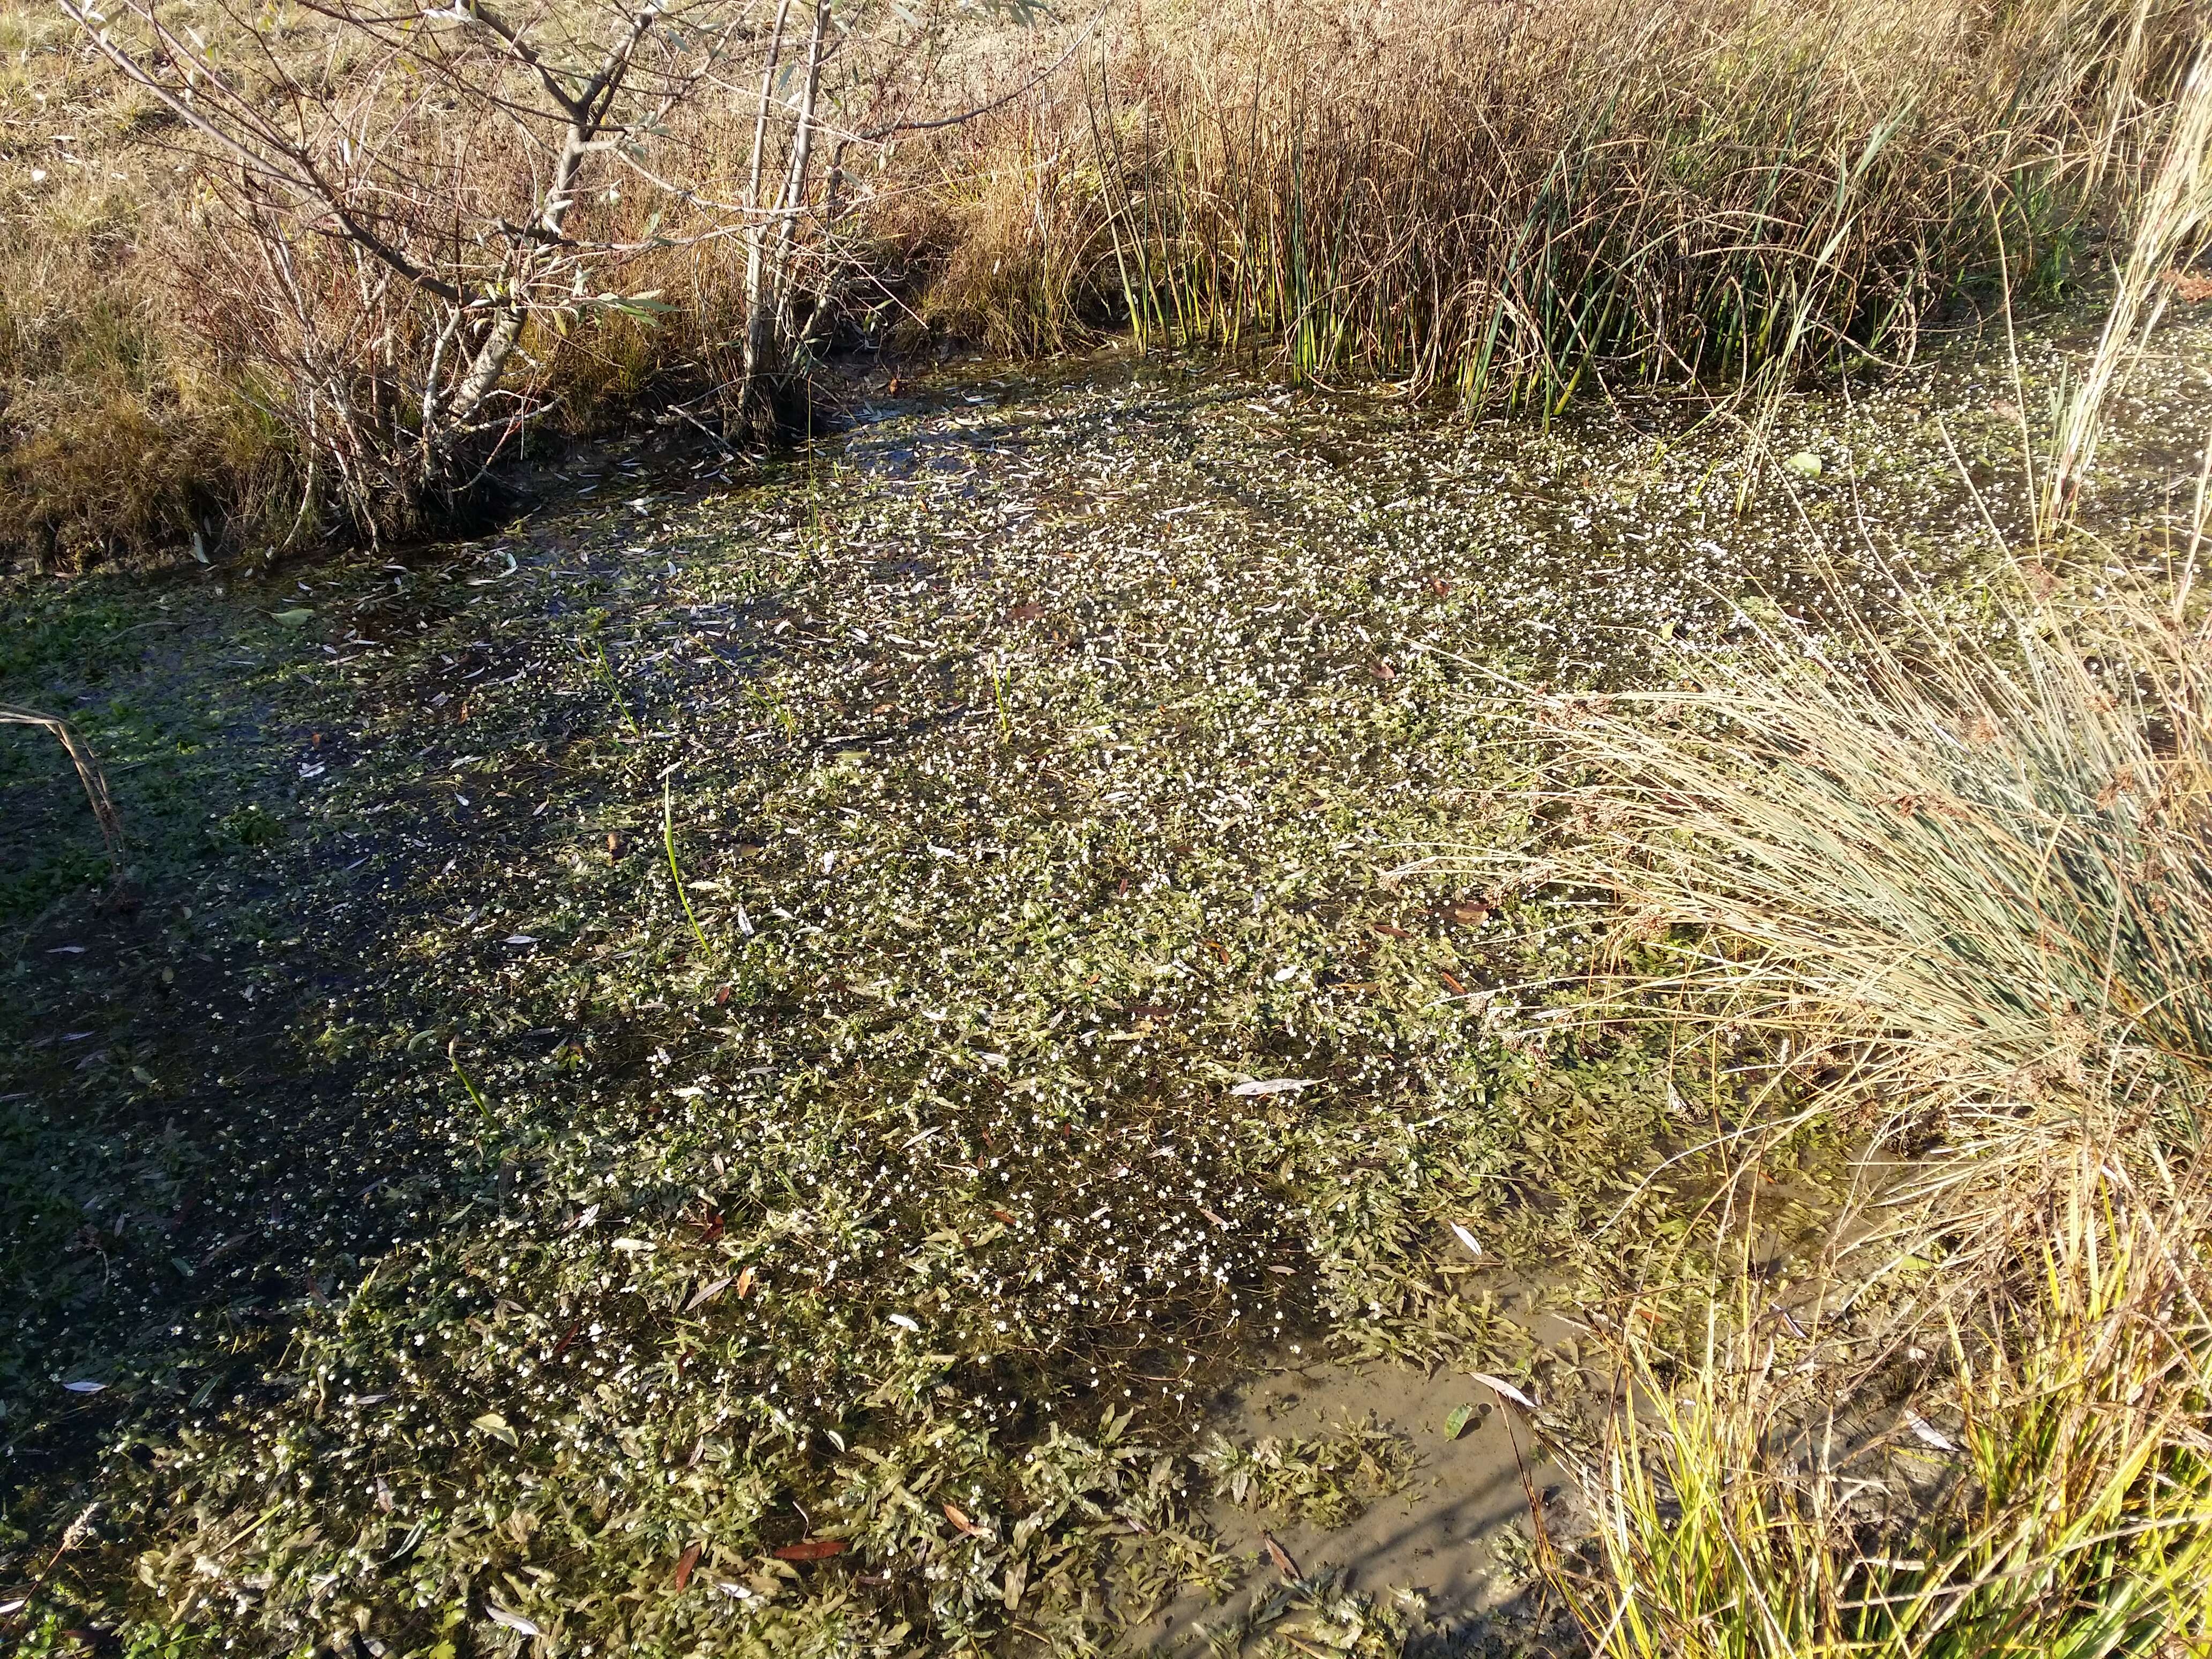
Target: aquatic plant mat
x,y
733,1067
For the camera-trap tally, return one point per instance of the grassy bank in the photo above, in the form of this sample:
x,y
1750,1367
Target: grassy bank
x,y
2059,1495
1506,206
1515,204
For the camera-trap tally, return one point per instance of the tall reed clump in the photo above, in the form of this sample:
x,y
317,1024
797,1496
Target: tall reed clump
x,y
1962,865
1519,202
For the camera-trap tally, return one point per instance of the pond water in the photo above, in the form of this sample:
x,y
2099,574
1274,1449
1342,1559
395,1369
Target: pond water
x,y
832,1014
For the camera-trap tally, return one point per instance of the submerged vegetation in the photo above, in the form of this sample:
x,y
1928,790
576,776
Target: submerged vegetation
x,y
745,1062
435,1222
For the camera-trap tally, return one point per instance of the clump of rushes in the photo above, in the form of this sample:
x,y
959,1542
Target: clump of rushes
x,y
1737,1518
1518,203
1961,866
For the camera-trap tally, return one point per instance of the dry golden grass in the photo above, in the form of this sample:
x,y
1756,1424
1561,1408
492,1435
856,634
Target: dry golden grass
x,y
1529,201
1510,203
2067,1490
89,368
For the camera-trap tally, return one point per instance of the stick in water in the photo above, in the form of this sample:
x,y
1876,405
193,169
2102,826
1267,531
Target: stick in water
x,y
88,772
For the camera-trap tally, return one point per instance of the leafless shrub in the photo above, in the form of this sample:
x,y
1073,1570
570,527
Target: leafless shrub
x,y
384,222
402,212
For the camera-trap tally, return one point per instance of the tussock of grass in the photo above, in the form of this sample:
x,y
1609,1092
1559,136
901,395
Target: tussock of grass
x,y
1960,865
2074,1507
1981,842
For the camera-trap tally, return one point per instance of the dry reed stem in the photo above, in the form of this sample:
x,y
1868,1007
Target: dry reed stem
x,y
88,772
2168,227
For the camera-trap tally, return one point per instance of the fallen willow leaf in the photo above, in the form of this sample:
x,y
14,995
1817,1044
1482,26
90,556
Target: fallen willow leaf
x,y
810,1549
1500,1386
513,1621
744,1283
707,1293
1466,1239
84,1387
685,1563
1274,1085
1927,1433
953,1513
1280,1557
